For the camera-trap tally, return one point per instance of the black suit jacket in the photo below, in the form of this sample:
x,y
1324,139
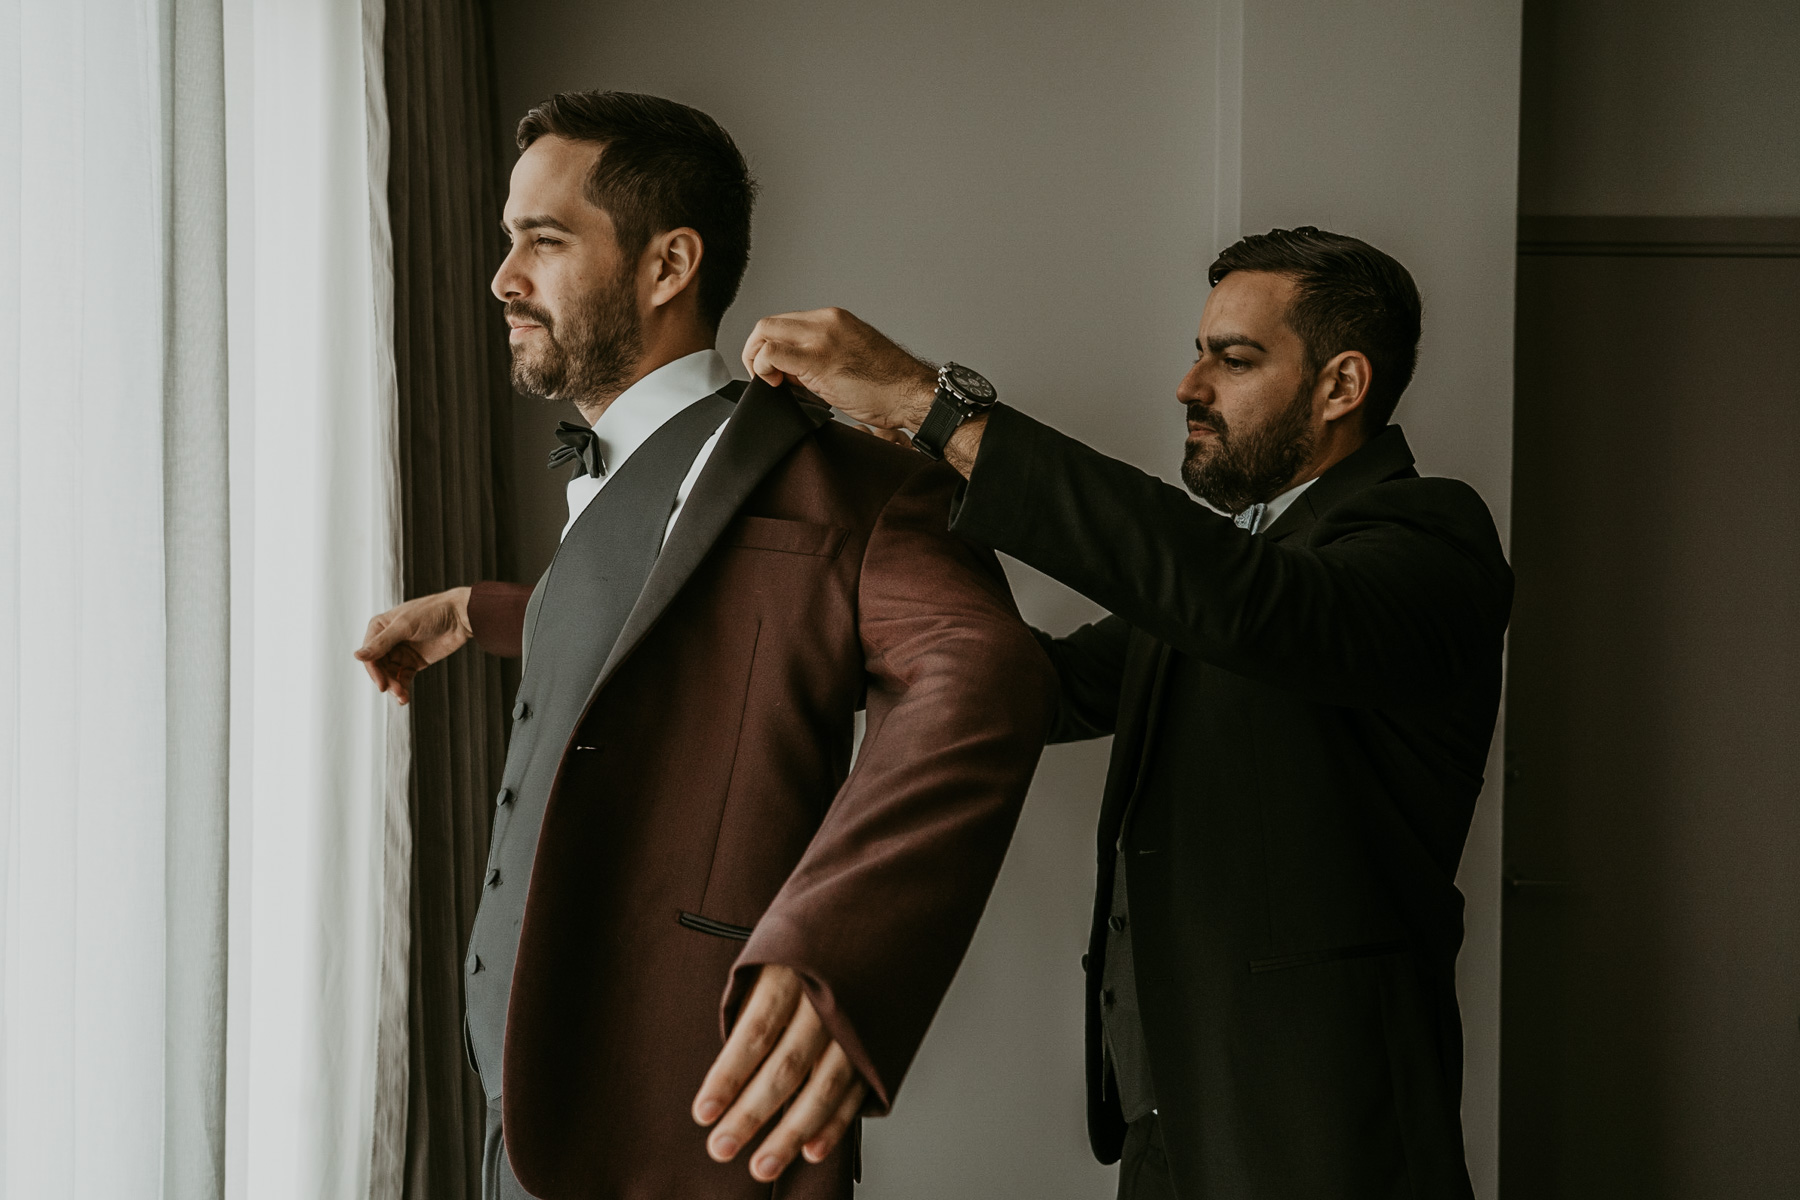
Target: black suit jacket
x,y
1301,724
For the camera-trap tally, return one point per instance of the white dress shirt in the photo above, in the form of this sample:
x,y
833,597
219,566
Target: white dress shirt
x,y
1274,508
640,411
1259,517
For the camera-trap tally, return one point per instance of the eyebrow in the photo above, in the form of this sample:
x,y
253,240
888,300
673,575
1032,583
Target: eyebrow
x,y
524,223
1219,343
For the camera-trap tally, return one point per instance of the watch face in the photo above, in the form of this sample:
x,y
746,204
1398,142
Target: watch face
x,y
972,385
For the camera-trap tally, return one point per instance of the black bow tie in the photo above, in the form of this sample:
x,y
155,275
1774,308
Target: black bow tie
x,y
578,442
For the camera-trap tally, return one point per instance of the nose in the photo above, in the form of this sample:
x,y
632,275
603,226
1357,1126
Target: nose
x,y
509,283
1193,388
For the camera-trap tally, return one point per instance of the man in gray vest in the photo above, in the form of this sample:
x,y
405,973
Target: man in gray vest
x,y
680,848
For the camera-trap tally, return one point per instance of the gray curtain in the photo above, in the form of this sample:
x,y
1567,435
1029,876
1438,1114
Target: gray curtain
x,y
197,601
450,358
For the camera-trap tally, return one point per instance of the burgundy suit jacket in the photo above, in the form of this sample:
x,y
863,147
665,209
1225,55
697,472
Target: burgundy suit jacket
x,y
708,796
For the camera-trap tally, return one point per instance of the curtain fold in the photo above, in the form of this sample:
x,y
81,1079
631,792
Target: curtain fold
x,y
320,842
453,405
196,601
83,673
205,842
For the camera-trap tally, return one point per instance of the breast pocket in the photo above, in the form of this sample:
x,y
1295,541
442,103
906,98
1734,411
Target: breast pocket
x,y
786,537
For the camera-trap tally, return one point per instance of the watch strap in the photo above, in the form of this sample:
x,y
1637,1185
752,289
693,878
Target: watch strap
x,y
939,425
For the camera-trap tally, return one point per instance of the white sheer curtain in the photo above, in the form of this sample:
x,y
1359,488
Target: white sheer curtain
x,y
81,401
186,1011
319,803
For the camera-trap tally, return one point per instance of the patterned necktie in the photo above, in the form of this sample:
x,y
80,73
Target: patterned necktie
x,y
1251,517
578,442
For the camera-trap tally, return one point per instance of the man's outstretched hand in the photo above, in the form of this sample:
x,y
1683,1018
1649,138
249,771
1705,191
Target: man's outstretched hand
x,y
403,641
846,362
777,1044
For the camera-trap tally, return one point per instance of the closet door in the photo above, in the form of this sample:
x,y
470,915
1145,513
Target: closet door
x,y
1651,953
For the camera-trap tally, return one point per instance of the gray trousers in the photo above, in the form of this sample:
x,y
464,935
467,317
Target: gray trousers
x,y
497,1182
1143,1167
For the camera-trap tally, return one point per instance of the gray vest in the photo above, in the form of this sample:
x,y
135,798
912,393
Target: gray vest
x,y
1120,1022
574,618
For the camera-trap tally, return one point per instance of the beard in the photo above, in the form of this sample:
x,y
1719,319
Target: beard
x,y
1250,466
592,355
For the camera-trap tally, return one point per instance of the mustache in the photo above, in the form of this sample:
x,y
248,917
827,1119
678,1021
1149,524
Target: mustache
x,y
530,312
1199,414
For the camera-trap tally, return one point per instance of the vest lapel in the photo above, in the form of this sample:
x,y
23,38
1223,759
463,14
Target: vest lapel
x,y
768,424
531,614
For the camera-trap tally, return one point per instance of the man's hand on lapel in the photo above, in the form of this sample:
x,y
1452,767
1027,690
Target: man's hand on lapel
x,y
777,1044
847,363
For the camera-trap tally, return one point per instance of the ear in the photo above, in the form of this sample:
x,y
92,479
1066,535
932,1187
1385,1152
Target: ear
x,y
673,264
1343,385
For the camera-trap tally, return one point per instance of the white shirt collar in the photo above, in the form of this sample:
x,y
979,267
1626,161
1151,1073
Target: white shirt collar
x,y
1279,505
1256,521
642,408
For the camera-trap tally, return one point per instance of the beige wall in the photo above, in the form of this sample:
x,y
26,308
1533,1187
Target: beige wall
x,y
1397,121
1036,189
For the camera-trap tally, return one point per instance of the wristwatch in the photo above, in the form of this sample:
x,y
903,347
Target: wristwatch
x,y
961,394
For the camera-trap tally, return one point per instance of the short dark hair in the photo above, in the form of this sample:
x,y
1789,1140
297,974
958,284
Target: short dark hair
x,y
1348,296
662,166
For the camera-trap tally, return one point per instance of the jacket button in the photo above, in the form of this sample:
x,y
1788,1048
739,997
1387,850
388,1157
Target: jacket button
x,y
1115,923
521,710
504,798
1084,962
493,876
474,963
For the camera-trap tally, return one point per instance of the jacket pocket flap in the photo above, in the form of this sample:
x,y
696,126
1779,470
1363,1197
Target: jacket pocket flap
x,y
724,929
788,537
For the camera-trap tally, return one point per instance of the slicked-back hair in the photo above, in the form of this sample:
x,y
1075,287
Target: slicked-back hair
x,y
662,166
1347,296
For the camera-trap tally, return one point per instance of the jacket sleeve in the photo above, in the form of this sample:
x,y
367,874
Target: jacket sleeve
x,y
497,615
1399,592
1090,670
879,911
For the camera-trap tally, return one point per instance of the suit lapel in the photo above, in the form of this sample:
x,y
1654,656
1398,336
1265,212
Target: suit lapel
x,y
1384,456
1159,676
1146,666
767,425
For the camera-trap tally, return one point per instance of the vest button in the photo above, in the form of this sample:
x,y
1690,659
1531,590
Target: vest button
x,y
493,877
1115,923
504,798
474,963
521,710
1106,996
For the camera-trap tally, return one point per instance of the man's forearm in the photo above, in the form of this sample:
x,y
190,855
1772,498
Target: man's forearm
x,y
965,445
911,404
496,616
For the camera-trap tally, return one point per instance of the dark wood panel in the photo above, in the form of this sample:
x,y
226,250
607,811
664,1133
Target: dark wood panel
x,y
1651,954
1675,237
